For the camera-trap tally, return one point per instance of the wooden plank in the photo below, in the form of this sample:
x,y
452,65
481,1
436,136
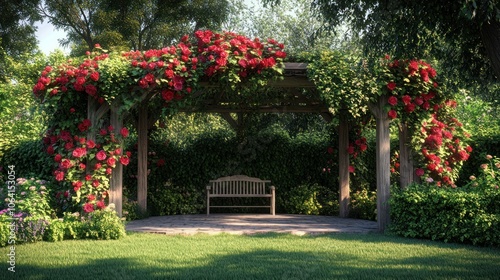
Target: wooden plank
x,y
406,173
343,165
142,157
383,157
116,182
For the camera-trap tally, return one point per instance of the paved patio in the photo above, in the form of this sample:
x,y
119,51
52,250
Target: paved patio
x,y
250,224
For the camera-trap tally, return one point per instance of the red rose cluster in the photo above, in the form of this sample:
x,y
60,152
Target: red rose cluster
x,y
413,96
86,164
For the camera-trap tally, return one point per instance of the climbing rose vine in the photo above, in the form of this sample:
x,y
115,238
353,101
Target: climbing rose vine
x,y
416,99
86,153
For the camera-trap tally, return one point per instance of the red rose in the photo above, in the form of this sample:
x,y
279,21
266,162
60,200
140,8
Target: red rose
x,y
101,155
124,132
124,160
88,208
88,177
66,163
103,132
391,86
90,144
95,183
94,76
90,197
167,95
82,166
118,151
350,150
97,166
58,158
406,99
111,162
419,100
410,108
330,150
392,114
419,172
109,171
79,152
50,150
363,147
59,175
100,204
351,169
160,162
77,185
91,90
393,100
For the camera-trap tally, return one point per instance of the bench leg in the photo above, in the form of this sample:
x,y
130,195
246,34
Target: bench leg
x,y
208,205
273,202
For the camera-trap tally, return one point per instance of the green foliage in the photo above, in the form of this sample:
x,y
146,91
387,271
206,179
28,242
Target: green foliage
x,y
310,199
32,198
363,205
103,225
174,200
339,79
29,159
55,231
177,169
451,215
137,25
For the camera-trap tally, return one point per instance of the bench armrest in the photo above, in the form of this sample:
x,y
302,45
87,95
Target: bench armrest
x,y
209,188
272,187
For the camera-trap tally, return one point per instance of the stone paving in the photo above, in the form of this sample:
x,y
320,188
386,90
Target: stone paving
x,y
250,224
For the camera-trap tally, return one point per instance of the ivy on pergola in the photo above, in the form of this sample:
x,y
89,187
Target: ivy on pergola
x,y
223,73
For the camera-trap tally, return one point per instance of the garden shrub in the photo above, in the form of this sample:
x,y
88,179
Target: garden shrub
x,y
470,214
363,205
103,225
173,200
310,199
55,231
29,158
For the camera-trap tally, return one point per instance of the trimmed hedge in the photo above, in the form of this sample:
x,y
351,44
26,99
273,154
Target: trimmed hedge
x,y
179,173
463,215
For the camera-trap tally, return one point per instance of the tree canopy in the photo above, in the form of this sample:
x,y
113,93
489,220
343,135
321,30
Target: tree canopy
x,y
463,33
126,25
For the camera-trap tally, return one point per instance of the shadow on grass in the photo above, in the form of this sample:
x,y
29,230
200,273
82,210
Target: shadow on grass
x,y
270,264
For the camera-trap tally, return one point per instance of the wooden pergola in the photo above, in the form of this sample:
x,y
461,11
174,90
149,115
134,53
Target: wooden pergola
x,y
293,100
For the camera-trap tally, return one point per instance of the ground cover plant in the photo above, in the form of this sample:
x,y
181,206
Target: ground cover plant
x,y
269,256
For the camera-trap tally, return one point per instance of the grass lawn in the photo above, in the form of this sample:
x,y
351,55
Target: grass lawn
x,y
269,256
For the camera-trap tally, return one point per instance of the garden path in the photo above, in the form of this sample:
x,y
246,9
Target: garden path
x,y
250,224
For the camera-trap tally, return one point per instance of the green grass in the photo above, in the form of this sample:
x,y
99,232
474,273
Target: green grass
x,y
269,256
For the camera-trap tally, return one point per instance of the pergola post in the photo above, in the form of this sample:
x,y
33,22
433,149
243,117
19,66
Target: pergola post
x,y
142,160
116,182
343,165
406,171
383,158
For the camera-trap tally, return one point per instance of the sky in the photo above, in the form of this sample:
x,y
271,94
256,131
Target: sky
x,y
48,37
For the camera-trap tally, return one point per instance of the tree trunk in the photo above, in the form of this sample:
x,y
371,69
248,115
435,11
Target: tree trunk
x,y
490,34
343,165
406,172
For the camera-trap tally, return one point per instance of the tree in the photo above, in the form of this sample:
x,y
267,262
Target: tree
x,y
18,109
17,32
468,31
293,22
125,24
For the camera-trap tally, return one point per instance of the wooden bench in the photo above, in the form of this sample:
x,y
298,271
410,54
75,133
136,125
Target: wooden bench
x,y
240,186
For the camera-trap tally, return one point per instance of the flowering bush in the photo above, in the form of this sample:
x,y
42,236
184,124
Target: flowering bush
x,y
417,100
32,198
85,151
489,178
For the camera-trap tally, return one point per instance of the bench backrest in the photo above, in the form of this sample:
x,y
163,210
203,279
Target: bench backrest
x,y
238,184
